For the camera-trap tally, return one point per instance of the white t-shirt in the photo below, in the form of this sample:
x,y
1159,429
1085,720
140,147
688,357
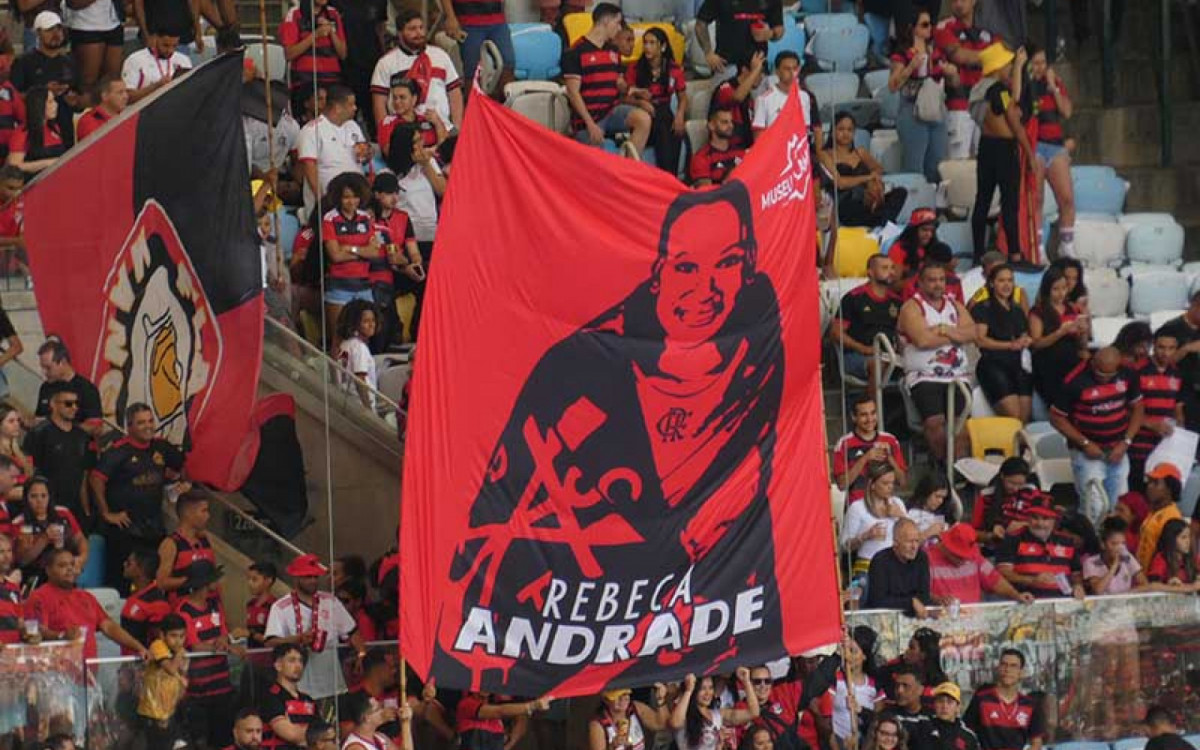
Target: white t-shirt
x,y
419,201
355,356
859,519
323,675
769,104
258,150
442,78
332,148
144,68
99,16
925,519
866,694
710,737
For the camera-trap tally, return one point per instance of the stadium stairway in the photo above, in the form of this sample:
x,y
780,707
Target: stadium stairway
x,y
363,458
1128,135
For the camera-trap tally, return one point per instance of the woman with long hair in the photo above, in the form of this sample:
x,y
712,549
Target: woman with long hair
x,y
1077,292
870,521
42,528
355,326
1174,561
698,722
1002,333
999,509
862,199
1059,332
928,506
1051,107
915,60
757,738
854,695
349,243
11,432
39,144
621,722
917,245
885,733
653,79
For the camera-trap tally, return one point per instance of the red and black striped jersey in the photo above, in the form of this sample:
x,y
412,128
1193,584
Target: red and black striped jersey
x,y
479,12
1161,393
713,164
278,703
257,611
187,553
1030,556
952,33
207,675
350,232
1001,725
142,613
668,83
598,70
321,61
850,447
1045,109
1100,410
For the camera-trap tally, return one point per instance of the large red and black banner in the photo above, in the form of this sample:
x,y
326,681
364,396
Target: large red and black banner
x,y
615,469
143,247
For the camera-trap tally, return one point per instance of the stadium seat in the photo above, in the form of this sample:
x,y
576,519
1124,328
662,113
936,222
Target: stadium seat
x,y
1130,743
544,102
887,150
92,575
957,234
276,60
700,94
1098,191
514,28
1029,281
832,90
854,248
648,10
1099,244
677,40
832,291
875,80
980,408
1154,290
793,39
697,133
1092,172
289,227
1108,293
993,435
819,23
842,49
808,7
958,177
1157,244
921,194
1192,739
537,52
109,600
1145,217
1105,330
1158,318
576,25
1045,449
693,55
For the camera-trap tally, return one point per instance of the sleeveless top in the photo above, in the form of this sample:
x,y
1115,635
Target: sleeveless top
x,y
943,363
379,742
710,738
636,735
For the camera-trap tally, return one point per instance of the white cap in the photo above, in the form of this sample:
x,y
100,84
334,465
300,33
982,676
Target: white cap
x,y
46,20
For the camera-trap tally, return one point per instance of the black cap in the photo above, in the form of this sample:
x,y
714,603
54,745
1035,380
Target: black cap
x,y
200,574
386,182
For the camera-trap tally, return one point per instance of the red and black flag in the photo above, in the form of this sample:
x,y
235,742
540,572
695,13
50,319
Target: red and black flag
x,y
143,245
615,469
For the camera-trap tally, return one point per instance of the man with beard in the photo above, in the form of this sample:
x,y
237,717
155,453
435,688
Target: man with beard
x,y
285,710
717,158
1041,559
867,311
652,428
11,621
63,452
314,620
428,65
247,730
52,66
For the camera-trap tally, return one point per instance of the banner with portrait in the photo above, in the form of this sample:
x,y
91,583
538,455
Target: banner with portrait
x,y
615,468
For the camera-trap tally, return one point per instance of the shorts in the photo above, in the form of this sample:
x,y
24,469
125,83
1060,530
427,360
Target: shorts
x,y
339,296
930,399
611,124
1000,380
1048,152
111,38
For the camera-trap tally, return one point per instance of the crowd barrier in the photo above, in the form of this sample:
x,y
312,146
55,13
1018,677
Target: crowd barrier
x,y
1096,665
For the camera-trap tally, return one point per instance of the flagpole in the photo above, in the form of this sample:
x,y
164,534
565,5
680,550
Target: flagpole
x,y
266,61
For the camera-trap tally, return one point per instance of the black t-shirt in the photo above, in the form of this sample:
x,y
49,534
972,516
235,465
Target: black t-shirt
x,y
865,315
64,457
1003,325
37,69
734,20
998,98
279,703
361,19
136,474
1169,741
89,398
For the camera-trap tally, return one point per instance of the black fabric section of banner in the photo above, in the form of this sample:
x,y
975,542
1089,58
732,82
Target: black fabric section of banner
x,y
276,483
191,136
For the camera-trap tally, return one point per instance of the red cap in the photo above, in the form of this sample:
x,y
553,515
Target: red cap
x,y
923,216
960,541
1042,505
306,566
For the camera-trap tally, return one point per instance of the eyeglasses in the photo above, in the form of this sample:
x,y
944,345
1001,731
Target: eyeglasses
x,y
924,25
69,404
767,681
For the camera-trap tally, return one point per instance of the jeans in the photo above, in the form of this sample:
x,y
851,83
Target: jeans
x,y
1114,477
924,142
471,47
879,27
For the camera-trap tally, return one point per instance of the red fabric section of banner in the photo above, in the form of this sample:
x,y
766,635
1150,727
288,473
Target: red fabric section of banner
x,y
615,467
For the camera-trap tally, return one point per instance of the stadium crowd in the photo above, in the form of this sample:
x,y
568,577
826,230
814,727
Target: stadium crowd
x,y
358,152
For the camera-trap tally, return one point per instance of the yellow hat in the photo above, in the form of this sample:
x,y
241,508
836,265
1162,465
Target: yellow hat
x,y
612,696
272,202
948,689
994,57
159,650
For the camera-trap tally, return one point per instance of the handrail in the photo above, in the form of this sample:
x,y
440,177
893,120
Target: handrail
x,y
884,352
955,425
306,345
103,660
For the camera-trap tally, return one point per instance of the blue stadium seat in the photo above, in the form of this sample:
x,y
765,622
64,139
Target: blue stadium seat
x,y
1029,281
832,89
888,150
921,194
957,234
1108,293
1146,217
817,23
862,138
793,39
514,28
1193,739
1157,244
1097,191
1092,171
92,575
876,84
814,6
648,10
289,227
537,53
842,49
1158,288
1130,743
1082,745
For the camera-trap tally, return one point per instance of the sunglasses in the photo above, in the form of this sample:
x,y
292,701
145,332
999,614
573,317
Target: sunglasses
x,y
69,404
766,681
924,25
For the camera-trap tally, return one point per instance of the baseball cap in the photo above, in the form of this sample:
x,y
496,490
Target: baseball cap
x,y
46,20
386,182
1041,504
1164,470
613,695
159,650
923,216
948,689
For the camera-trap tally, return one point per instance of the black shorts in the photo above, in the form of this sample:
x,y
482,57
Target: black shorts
x,y
930,399
999,380
111,38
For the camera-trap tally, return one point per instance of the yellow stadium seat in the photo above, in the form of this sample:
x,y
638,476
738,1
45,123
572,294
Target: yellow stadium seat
x,y
993,435
576,25
673,36
854,248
